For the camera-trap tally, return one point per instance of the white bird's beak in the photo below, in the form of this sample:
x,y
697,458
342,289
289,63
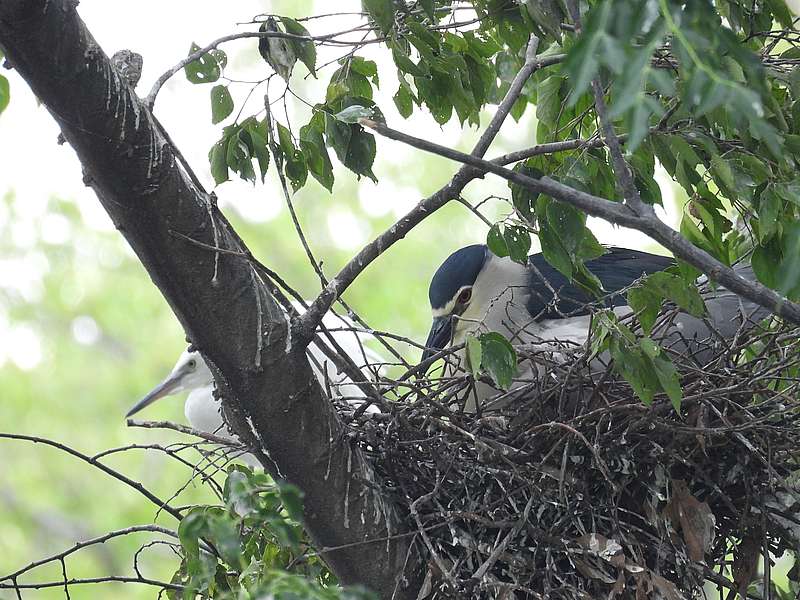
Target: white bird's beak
x,y
169,386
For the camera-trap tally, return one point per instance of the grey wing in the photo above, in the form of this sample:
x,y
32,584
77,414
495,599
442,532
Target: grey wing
x,y
729,315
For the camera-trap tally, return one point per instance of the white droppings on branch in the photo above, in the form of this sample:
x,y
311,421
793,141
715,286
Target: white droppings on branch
x,y
258,289
288,348
262,446
346,522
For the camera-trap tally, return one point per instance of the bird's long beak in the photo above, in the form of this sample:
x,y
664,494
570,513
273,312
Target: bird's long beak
x,y
439,336
165,388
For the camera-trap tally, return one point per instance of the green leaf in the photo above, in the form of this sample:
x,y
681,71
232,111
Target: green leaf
x,y
365,67
353,113
354,147
313,145
223,534
406,65
635,368
496,242
646,304
498,358
522,197
548,100
723,173
582,61
674,288
381,12
5,93
665,371
285,140
295,166
554,253
218,160
404,101
305,51
191,528
296,169
547,14
763,260
239,158
258,137
292,500
205,69
474,355
567,223
238,493
518,242
221,103
509,240
220,57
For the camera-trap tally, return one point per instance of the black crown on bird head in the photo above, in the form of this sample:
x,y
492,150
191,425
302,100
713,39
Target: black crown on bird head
x,y
461,268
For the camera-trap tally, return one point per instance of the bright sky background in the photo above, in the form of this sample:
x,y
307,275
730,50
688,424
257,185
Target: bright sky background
x,y
36,168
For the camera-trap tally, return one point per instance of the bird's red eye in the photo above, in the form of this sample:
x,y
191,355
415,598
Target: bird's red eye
x,y
465,296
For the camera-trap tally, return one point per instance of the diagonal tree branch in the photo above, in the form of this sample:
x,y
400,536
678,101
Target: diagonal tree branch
x,y
619,214
220,299
426,207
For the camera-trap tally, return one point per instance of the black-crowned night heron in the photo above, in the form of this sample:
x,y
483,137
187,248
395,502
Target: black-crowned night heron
x,y
202,409
475,291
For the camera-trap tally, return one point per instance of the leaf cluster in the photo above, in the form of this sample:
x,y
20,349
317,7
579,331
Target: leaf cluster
x,y
253,546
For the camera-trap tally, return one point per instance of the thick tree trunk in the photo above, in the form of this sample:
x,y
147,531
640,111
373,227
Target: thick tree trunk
x,y
219,297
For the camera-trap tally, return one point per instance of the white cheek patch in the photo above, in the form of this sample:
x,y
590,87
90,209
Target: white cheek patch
x,y
447,309
442,312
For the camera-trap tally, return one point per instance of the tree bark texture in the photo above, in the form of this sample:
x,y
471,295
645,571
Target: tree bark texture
x,y
218,296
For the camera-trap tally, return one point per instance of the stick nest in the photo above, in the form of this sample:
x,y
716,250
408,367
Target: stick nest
x,y
578,490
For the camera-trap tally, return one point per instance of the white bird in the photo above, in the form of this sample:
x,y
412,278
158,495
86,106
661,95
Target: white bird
x,y
202,409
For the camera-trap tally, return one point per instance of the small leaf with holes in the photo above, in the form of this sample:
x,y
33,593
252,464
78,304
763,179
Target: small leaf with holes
x,y
205,69
221,103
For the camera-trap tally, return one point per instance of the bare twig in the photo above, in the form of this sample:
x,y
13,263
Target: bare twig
x,y
90,580
96,463
97,540
209,437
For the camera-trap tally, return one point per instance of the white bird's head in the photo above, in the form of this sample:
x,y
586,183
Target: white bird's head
x,y
189,373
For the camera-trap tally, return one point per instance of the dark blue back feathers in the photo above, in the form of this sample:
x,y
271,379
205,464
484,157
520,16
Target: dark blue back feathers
x,y
461,268
616,270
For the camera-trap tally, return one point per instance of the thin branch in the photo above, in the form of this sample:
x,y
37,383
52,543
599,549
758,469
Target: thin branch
x,y
88,580
96,463
150,99
209,437
97,540
426,207
549,148
617,214
510,99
